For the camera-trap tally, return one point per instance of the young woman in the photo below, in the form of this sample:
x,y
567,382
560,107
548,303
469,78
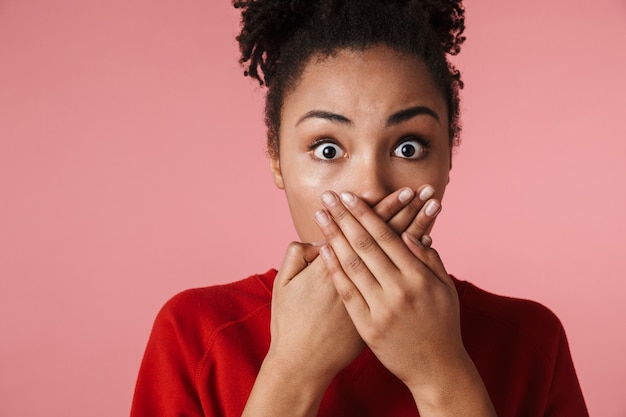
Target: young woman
x,y
361,319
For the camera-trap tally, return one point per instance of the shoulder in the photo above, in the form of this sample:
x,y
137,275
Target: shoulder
x,y
516,311
513,321
521,351
202,311
186,331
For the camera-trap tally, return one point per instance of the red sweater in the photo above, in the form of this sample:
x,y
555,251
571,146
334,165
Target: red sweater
x,y
207,346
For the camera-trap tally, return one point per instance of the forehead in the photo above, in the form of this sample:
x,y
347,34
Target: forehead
x,y
376,80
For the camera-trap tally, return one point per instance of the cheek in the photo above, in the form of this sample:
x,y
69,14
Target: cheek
x,y
435,176
303,191
438,174
440,183
305,181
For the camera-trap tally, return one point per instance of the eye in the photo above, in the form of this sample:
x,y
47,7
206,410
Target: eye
x,y
410,149
328,151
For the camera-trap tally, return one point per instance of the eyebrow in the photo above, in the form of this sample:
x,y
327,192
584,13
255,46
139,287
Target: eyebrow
x,y
406,114
394,119
326,115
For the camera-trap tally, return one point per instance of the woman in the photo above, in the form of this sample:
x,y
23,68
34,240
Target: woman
x,y
362,318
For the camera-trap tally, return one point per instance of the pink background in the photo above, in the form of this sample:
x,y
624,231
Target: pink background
x,y
132,167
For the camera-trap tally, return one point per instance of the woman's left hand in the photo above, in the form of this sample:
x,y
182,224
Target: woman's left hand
x,y
397,292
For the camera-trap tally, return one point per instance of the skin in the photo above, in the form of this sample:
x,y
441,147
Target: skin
x,y
358,86
371,279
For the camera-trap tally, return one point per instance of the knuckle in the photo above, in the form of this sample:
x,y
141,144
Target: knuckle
x,y
359,210
425,288
384,209
331,233
354,263
420,223
402,297
340,214
373,335
433,255
294,248
364,243
378,329
386,235
385,316
346,294
413,206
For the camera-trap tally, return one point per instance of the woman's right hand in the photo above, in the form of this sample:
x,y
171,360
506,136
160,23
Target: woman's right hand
x,y
312,338
310,328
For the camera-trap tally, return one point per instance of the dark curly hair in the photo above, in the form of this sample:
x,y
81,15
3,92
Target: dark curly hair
x,y
279,36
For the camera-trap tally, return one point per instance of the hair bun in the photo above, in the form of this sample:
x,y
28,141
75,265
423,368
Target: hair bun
x,y
447,19
265,25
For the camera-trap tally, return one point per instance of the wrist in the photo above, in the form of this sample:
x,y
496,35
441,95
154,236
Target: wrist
x,y
458,389
299,374
302,366
283,390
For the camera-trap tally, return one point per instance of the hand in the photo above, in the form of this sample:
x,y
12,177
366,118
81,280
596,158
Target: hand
x,y
311,330
307,342
397,292
313,337
402,210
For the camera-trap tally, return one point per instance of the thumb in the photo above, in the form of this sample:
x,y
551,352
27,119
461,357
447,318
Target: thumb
x,y
429,257
297,257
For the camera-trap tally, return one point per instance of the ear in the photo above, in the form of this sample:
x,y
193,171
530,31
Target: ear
x,y
275,167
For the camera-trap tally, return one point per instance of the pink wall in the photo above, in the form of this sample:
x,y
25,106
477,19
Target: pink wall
x,y
132,167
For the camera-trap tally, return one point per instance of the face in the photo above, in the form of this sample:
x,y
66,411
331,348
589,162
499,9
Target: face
x,y
370,122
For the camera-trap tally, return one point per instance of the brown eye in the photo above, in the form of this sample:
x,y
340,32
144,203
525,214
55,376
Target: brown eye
x,y
328,151
410,149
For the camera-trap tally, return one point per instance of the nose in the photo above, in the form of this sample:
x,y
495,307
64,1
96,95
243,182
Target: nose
x,y
370,180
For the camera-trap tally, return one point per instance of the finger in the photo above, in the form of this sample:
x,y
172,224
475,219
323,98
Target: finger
x,y
352,298
370,238
351,263
297,257
392,204
424,220
401,220
429,257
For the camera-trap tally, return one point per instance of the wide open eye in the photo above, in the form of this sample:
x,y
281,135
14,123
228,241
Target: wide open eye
x,y
328,151
410,149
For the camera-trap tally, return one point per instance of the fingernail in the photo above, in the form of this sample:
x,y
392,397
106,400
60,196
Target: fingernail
x,y
325,252
405,195
322,218
348,198
426,240
426,193
432,208
318,243
413,239
329,199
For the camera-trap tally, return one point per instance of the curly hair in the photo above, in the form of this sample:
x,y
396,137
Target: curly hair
x,y
278,37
